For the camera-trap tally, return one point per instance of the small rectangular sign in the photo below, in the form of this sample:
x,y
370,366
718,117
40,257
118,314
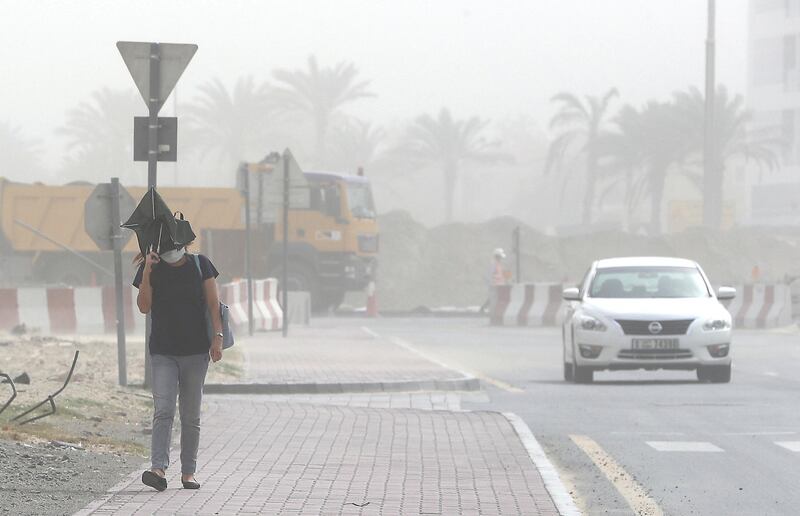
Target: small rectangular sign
x,y
167,138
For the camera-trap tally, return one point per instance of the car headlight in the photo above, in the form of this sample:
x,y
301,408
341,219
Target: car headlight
x,y
590,323
716,325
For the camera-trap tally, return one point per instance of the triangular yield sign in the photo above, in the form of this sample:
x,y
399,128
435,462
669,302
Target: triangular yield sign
x,y
296,176
174,58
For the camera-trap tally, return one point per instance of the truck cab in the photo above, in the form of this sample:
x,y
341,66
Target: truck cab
x,y
333,244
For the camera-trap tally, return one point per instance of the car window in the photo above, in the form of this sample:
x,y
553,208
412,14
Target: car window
x,y
648,282
584,284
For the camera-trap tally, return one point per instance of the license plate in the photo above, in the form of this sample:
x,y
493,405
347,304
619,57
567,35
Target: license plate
x,y
654,344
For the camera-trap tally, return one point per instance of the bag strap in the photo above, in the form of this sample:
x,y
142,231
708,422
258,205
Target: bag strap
x,y
196,260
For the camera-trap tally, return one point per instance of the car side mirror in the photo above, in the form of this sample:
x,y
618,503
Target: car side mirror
x,y
571,294
726,293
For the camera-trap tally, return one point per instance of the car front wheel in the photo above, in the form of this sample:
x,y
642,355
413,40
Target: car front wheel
x,y
583,374
568,372
714,374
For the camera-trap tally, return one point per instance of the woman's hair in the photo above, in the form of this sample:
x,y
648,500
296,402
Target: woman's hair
x,y
139,258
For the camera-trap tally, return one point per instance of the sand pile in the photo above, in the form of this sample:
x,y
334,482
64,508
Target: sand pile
x,y
448,265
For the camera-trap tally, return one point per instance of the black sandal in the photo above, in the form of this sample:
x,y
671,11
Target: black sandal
x,y
191,484
156,482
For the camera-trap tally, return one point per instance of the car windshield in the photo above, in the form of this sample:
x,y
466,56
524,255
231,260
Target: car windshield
x,y
359,198
648,282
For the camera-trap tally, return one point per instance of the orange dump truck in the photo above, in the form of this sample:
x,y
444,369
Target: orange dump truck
x,y
333,240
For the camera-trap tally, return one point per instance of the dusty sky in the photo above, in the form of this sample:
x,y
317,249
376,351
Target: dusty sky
x,y
490,58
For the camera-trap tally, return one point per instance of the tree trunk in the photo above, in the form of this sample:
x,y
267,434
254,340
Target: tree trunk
x,y
450,178
321,129
591,180
657,178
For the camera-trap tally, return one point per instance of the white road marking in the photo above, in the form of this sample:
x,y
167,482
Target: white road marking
x,y
552,482
430,358
789,445
628,487
771,373
647,433
757,433
684,446
370,332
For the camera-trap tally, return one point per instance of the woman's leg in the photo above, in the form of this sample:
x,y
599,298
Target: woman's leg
x,y
192,377
165,391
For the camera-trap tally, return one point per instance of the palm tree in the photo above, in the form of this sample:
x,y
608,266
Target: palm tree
x,y
449,143
621,156
355,143
320,93
20,155
580,126
730,142
99,135
229,125
646,146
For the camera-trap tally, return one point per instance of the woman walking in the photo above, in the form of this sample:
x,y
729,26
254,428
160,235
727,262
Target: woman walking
x,y
178,290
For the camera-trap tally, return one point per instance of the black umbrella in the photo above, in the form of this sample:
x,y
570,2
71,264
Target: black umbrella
x,y
156,227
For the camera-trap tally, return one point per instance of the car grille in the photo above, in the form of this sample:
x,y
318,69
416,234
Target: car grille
x,y
654,354
679,327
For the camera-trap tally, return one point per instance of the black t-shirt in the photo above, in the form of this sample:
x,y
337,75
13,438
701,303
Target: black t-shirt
x,y
179,309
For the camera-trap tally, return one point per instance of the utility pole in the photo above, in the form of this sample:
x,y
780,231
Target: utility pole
x,y
712,186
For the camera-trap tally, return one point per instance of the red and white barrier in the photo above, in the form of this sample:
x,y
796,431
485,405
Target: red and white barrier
x,y
62,311
92,311
761,306
269,314
536,304
540,304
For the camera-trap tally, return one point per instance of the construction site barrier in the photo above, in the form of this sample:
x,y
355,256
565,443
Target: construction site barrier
x,y
533,304
761,306
92,310
540,304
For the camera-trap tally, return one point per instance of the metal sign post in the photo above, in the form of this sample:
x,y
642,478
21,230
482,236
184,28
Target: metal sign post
x,y
155,68
287,156
122,364
247,264
517,252
153,107
101,216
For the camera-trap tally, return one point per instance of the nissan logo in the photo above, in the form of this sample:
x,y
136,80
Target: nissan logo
x,y
655,327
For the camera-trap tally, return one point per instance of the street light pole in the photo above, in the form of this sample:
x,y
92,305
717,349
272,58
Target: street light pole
x,y
712,187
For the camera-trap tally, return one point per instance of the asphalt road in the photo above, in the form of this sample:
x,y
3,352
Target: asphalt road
x,y
656,441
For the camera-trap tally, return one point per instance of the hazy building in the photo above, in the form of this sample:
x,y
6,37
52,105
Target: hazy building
x,y
773,96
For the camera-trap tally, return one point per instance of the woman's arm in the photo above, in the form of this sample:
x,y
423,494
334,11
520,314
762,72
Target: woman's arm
x,y
212,300
144,300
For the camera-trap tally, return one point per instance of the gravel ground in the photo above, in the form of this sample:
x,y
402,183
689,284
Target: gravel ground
x,y
43,479
108,425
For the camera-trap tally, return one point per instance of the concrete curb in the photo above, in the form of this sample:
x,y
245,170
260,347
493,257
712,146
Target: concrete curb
x,y
462,384
552,482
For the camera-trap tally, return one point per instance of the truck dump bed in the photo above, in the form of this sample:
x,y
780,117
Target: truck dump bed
x,y
57,211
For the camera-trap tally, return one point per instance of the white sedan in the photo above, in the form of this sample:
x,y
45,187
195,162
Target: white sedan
x,y
647,313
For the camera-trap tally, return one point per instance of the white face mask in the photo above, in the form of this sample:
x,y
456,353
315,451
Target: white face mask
x,y
173,256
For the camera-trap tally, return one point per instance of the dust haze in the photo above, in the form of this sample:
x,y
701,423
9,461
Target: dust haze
x,y
581,122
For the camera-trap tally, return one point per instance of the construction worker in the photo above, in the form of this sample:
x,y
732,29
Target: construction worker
x,y
498,275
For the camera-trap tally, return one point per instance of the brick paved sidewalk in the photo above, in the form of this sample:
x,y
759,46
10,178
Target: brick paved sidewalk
x,y
264,457
339,359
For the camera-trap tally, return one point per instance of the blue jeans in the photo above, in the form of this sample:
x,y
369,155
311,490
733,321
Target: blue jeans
x,y
171,375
